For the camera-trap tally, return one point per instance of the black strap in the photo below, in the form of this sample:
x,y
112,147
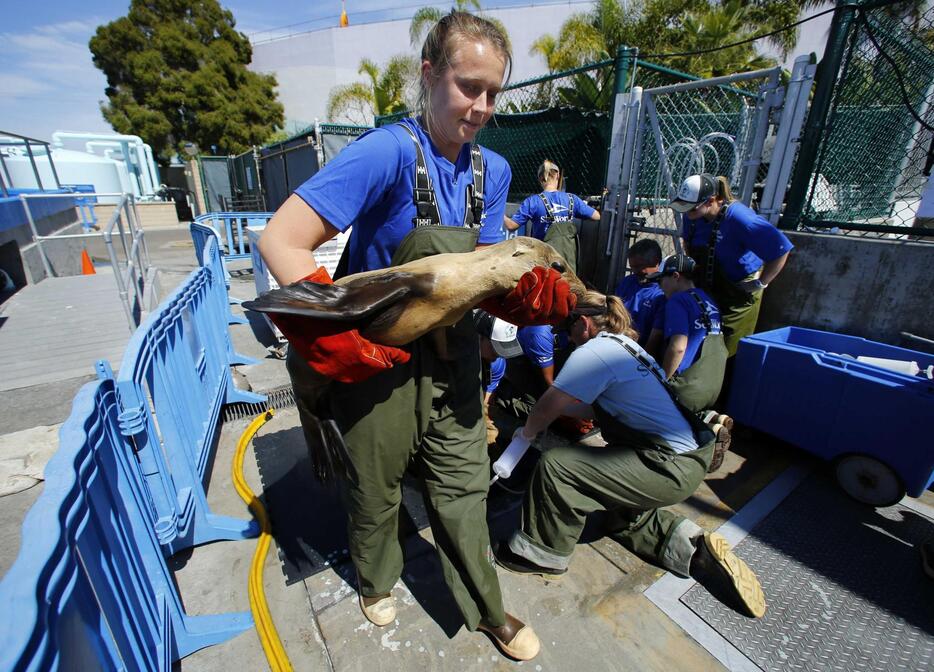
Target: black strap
x,y
426,203
549,208
696,425
705,314
712,243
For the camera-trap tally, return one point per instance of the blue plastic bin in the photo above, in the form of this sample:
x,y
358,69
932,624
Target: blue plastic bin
x,y
795,384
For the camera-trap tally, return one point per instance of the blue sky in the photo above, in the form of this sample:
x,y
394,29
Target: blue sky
x,y
47,79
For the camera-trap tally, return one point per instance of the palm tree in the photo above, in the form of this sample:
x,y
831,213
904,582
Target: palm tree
x,y
426,17
719,25
665,26
385,93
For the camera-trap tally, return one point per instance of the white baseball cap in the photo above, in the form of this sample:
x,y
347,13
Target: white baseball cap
x,y
502,334
693,191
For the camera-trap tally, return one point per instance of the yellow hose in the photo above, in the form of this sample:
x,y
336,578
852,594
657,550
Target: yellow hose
x,y
268,636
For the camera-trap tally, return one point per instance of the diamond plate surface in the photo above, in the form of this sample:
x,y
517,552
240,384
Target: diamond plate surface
x,y
844,587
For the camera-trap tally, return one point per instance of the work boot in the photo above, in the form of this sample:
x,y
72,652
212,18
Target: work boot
x,y
713,417
722,444
515,638
380,610
515,563
726,576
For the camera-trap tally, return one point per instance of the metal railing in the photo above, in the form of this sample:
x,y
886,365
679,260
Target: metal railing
x,y
131,273
15,140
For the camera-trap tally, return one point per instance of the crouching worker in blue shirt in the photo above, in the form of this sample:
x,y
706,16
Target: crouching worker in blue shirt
x,y
642,296
695,355
658,453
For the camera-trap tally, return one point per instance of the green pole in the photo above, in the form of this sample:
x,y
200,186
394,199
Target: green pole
x,y
811,138
622,64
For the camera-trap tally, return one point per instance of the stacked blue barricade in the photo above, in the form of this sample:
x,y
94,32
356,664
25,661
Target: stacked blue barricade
x,y
234,244
91,588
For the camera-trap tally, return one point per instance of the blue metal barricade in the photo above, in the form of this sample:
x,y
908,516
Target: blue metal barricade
x,y
90,588
234,244
175,378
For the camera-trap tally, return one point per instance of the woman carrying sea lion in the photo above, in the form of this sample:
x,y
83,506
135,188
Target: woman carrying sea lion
x,y
410,190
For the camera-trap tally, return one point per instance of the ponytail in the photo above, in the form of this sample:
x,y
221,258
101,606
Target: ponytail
x,y
723,190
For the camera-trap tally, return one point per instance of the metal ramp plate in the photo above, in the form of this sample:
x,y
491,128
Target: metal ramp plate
x,y
844,586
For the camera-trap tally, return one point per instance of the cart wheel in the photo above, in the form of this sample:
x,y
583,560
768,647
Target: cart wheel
x,y
869,481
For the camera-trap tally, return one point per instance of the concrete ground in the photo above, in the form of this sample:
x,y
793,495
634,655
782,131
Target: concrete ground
x,y
595,618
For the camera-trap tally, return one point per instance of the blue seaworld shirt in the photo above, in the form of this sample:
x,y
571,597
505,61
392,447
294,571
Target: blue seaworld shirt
x,y
644,301
683,316
564,205
538,345
744,240
369,186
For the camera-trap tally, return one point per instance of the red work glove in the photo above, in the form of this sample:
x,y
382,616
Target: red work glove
x,y
572,427
541,296
333,350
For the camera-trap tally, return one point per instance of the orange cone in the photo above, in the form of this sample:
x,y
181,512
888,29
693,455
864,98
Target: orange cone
x,y
87,268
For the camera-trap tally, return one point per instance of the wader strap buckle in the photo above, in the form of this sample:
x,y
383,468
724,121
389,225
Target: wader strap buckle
x,y
705,314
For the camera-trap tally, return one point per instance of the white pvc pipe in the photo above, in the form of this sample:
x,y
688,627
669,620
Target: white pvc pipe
x,y
144,172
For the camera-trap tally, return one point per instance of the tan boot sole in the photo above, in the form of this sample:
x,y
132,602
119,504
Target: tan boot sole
x,y
744,580
524,646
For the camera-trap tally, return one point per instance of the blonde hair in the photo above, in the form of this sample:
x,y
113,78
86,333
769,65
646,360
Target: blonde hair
x,y
547,170
616,319
454,28
723,190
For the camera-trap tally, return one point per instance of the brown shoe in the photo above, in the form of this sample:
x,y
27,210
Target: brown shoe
x,y
515,639
723,441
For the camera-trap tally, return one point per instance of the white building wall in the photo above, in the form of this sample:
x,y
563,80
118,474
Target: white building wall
x,y
308,66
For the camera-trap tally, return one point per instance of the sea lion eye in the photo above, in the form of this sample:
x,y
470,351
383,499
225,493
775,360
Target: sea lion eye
x,y
558,266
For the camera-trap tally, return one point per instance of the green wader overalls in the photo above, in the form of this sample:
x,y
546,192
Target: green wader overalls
x,y
631,477
428,413
739,310
699,385
562,235
520,388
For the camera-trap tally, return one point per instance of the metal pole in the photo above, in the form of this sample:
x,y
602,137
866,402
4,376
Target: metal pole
x,y
35,236
121,288
826,77
787,138
58,183
715,81
750,167
35,169
618,239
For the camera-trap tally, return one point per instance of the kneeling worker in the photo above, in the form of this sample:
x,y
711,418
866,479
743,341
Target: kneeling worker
x,y
695,354
658,452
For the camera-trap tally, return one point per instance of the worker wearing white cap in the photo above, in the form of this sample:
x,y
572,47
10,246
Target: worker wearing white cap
x,y
738,253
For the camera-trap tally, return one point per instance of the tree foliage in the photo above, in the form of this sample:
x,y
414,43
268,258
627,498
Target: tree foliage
x,y
176,72
384,93
670,26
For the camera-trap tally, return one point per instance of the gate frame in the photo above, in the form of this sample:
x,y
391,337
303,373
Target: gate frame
x,y
635,111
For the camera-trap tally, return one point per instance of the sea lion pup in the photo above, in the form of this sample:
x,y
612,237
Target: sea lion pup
x,y
396,305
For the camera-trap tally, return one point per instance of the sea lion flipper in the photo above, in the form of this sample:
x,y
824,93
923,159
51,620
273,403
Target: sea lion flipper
x,y
355,301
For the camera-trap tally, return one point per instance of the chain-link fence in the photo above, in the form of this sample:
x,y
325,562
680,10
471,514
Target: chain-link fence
x,y
873,157
565,117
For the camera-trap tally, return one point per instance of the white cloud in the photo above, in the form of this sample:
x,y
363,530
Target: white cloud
x,y
49,80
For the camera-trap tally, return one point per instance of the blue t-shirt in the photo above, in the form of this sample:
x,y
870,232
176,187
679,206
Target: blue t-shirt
x,y
538,345
564,207
683,316
369,186
602,371
497,370
744,240
644,301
